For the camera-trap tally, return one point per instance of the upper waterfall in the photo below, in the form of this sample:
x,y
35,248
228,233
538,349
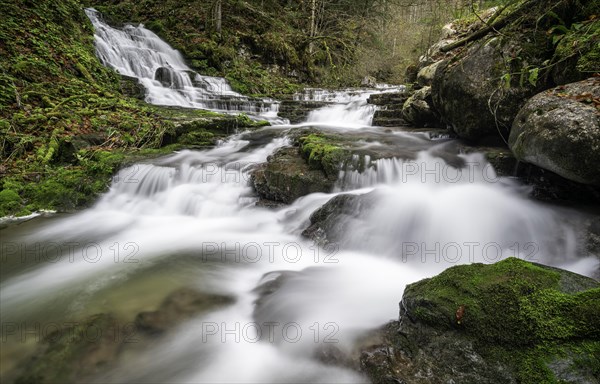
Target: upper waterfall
x,y
138,52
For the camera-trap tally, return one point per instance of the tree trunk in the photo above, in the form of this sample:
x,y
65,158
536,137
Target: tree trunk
x,y
218,16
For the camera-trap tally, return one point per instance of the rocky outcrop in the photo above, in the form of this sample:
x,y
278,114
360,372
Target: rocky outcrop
x,y
509,322
418,110
559,130
468,92
286,176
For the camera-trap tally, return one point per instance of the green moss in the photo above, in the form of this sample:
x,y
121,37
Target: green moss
x,y
323,152
516,312
10,202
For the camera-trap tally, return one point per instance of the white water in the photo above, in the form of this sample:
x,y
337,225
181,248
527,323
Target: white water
x,y
349,108
192,217
138,52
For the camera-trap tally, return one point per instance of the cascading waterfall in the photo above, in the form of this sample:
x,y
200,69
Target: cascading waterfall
x,y
348,107
190,219
138,52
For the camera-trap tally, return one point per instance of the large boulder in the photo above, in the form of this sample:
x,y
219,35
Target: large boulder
x,y
418,109
509,322
559,130
471,93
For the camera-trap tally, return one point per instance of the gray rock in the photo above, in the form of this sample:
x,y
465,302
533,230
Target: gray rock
x,y
425,75
329,223
418,109
468,94
559,130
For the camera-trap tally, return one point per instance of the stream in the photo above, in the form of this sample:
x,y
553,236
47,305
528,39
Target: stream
x,y
190,220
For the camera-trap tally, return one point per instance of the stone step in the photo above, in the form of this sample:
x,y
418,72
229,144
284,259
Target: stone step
x,y
388,113
389,99
389,122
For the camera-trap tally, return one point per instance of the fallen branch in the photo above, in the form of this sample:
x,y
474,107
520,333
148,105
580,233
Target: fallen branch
x,y
495,26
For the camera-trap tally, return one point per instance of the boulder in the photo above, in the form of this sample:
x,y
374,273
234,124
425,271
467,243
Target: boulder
x,y
468,93
418,109
508,322
559,130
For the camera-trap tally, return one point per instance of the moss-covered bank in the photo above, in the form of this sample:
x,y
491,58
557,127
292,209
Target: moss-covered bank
x,y
65,125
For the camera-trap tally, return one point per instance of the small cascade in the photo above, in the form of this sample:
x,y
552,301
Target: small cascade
x,y
138,52
348,107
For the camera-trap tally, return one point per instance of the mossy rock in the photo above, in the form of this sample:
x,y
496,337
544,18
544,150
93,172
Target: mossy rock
x,y
508,322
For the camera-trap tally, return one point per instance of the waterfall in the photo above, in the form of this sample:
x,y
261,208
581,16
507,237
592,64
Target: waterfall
x,y
191,219
138,52
347,107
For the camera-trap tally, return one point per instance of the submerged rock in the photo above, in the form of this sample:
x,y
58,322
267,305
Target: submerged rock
x,y
509,322
178,307
77,351
329,223
559,130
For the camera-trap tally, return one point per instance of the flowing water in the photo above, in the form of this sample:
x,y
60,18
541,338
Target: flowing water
x,y
190,219
138,52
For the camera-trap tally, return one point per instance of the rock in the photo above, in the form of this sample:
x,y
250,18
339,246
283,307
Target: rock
x,y
559,130
296,111
410,74
508,322
425,75
131,86
77,351
368,81
178,307
448,31
418,109
390,113
165,76
329,223
286,176
467,91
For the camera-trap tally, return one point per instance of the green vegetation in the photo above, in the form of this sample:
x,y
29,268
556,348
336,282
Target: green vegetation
x,y
520,313
325,152
65,126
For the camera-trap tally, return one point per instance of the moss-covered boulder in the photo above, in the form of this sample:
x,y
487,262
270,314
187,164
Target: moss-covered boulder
x,y
286,176
509,322
559,130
